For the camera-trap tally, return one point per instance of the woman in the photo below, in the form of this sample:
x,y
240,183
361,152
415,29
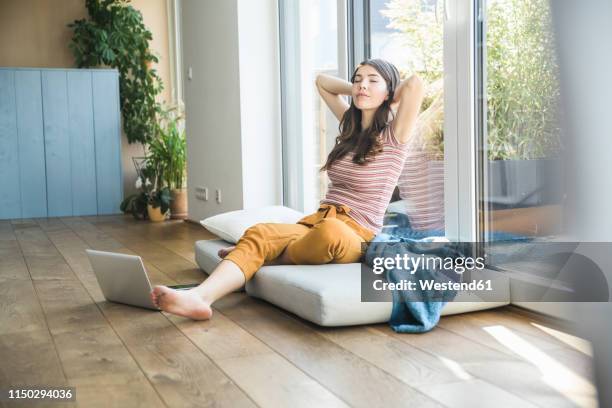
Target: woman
x,y
363,167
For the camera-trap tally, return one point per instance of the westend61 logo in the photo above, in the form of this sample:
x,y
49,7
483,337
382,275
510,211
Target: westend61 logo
x,y
412,263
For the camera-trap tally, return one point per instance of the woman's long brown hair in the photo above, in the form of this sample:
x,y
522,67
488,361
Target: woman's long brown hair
x,y
364,142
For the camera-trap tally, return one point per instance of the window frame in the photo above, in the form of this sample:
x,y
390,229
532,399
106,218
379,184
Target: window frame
x,y
292,123
461,187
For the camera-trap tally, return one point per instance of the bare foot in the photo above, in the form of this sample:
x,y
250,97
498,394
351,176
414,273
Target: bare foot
x,y
185,303
224,251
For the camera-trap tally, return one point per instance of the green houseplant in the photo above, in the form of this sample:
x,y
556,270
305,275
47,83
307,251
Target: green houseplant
x,y
158,205
153,200
168,149
115,36
157,192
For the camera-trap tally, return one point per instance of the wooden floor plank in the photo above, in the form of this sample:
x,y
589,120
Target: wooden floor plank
x,y
28,354
12,264
176,367
19,308
72,245
29,358
481,327
89,351
227,344
353,379
250,353
535,384
538,325
475,326
406,363
179,371
6,231
474,393
42,258
267,377
172,264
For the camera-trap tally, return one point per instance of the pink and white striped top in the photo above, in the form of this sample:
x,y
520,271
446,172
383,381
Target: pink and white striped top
x,y
367,188
421,188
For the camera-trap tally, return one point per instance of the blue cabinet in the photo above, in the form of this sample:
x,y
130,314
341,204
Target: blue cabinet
x,y
60,142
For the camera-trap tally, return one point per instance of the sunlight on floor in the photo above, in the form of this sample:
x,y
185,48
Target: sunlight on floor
x,y
455,368
576,343
555,374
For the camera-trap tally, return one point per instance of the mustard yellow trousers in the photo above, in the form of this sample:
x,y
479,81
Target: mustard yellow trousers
x,y
326,236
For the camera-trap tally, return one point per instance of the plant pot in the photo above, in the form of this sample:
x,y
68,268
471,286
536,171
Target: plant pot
x,y
525,183
178,205
155,213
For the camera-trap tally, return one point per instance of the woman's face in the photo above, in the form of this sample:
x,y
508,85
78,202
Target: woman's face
x,y
369,88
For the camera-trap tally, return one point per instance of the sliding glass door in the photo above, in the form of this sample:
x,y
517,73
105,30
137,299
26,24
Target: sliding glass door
x,y
410,34
312,42
332,37
484,157
521,171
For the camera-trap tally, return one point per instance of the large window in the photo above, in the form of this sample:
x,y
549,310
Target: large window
x,y
521,145
316,37
409,33
484,157
311,43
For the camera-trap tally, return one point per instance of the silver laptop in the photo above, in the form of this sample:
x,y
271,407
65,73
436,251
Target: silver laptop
x,y
123,278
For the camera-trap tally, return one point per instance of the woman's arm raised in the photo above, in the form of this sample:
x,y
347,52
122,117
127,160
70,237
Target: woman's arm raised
x,y
409,94
331,90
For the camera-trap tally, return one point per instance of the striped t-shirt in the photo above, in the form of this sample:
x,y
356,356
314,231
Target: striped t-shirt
x,y
421,184
367,188
421,188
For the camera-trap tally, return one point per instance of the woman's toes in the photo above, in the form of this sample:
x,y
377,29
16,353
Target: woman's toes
x,y
154,299
185,303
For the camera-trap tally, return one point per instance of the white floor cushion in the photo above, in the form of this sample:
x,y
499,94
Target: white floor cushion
x,y
206,253
230,226
329,295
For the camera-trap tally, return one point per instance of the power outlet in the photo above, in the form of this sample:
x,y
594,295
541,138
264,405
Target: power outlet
x,y
201,193
219,196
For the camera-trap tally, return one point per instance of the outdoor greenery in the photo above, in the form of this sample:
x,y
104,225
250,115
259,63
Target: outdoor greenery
x,y
115,36
522,86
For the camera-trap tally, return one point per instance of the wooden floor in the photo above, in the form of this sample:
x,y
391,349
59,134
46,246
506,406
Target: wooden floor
x,y
57,329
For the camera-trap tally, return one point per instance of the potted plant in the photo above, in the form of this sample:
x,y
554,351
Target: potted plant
x,y
136,204
153,200
156,190
168,148
158,204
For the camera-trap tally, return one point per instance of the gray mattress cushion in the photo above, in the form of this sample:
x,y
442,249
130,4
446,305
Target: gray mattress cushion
x,y
330,294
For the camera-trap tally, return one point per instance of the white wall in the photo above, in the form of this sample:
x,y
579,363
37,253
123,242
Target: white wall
x,y
260,102
232,103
